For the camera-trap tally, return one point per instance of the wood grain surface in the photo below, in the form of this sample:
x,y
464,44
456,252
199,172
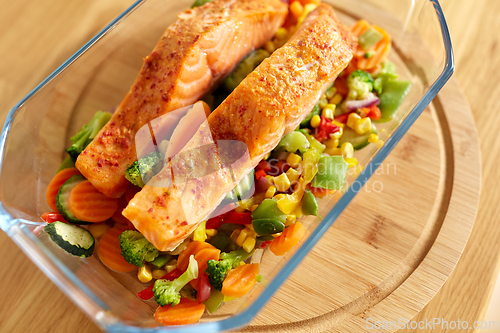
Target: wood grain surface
x,y
37,36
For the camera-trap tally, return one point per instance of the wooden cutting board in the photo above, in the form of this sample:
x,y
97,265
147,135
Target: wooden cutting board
x,y
398,241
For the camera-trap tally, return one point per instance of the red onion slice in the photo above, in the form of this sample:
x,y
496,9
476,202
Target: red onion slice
x,y
353,105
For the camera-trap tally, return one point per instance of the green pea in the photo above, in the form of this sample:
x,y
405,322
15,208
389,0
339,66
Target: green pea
x,y
268,226
309,204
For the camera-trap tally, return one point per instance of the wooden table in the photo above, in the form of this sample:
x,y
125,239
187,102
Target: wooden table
x,y
37,36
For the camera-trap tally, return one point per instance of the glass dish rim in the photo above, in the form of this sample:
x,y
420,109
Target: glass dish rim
x,y
7,220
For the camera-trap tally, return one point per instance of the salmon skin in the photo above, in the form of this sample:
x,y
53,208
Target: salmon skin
x,y
198,50
269,103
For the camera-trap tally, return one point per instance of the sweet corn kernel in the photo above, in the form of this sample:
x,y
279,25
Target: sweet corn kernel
x,y
158,273
98,229
240,209
331,92
363,125
248,244
331,143
333,151
372,138
211,232
382,130
293,160
250,227
269,46
242,236
296,8
323,102
282,182
290,219
298,212
351,162
234,236
339,124
144,274
279,196
323,96
281,33
199,234
307,9
254,207
315,121
337,99
352,119
379,143
293,175
270,192
328,112
347,150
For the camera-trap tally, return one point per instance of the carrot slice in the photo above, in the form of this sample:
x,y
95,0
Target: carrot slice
x,y
288,239
88,204
186,312
202,256
240,281
110,253
191,249
55,184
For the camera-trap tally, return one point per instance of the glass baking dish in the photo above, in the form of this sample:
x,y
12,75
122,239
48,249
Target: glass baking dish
x,y
38,128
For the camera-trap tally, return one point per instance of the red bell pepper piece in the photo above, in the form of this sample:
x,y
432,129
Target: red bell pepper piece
x,y
51,217
239,218
204,288
278,168
264,165
342,118
374,112
148,292
260,174
217,221
325,128
265,244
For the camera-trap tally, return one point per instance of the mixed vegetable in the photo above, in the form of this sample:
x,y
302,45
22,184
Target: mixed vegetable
x,y
214,265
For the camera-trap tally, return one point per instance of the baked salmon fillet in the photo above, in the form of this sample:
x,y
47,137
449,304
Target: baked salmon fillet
x,y
269,103
198,50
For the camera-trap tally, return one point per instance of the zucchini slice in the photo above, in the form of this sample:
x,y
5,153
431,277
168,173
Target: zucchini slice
x,y
62,199
358,141
72,238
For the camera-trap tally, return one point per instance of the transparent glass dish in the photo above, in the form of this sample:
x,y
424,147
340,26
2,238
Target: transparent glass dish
x,y
97,77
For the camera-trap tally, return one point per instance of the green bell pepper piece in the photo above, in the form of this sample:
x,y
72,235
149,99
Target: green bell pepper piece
x,y
268,226
332,172
313,143
314,112
268,209
161,261
393,94
198,3
309,204
214,301
220,241
369,38
293,141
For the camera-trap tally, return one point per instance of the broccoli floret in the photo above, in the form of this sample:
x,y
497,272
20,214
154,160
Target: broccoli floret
x,y
87,133
218,269
140,172
136,248
168,292
360,84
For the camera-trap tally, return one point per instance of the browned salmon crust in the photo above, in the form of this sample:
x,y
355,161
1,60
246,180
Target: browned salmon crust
x,y
269,103
200,48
